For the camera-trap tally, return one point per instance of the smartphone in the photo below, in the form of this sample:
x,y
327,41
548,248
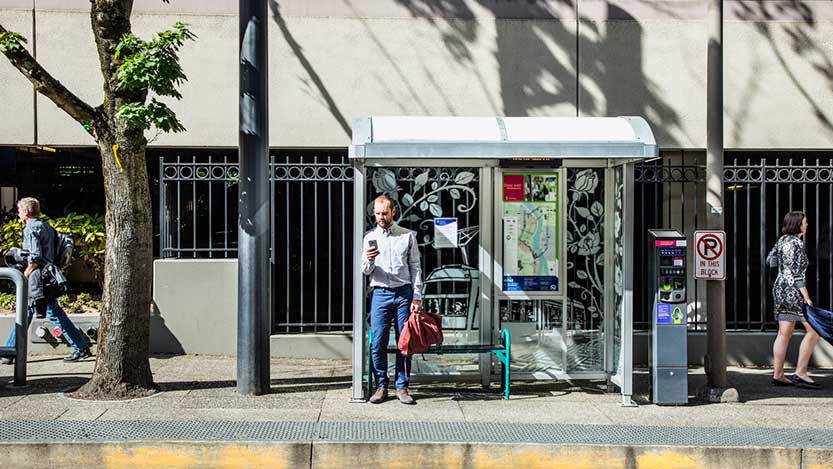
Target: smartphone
x,y
373,244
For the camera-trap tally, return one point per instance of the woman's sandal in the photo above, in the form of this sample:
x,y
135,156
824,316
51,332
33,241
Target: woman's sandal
x,y
778,382
804,383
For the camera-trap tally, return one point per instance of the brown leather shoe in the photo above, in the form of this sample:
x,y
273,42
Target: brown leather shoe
x,y
380,396
404,397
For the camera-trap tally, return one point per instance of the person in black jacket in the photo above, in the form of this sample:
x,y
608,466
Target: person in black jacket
x,y
38,252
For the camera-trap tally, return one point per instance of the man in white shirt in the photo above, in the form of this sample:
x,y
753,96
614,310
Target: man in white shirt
x,y
391,260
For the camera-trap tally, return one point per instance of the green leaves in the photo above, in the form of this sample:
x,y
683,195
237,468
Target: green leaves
x,y
11,41
142,116
11,235
152,66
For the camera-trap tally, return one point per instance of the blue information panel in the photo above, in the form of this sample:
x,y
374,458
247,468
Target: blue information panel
x,y
664,314
523,283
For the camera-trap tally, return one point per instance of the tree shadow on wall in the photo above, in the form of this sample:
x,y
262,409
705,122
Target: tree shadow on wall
x,y
316,81
798,31
545,64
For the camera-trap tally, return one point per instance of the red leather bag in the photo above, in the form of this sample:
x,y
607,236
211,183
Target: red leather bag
x,y
421,331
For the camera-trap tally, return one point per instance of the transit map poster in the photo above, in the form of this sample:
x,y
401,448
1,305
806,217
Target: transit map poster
x,y
530,232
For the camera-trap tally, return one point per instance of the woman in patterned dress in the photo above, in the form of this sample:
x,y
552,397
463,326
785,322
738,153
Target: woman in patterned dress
x,y
790,295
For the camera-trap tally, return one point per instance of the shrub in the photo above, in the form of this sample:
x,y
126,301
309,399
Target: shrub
x,y
87,230
7,301
71,303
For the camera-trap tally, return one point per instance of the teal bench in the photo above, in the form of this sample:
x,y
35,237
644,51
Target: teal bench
x,y
502,351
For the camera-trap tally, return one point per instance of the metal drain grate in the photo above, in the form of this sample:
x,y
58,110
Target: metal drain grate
x,y
148,430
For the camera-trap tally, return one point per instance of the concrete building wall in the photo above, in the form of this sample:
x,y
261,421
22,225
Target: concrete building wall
x,y
17,110
331,60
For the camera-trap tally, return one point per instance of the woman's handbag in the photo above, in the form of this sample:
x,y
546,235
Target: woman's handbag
x,y
421,331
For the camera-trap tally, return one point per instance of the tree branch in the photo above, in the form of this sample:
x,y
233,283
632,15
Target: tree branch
x,y
48,86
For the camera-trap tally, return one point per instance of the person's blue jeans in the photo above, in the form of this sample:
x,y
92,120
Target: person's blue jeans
x,y
386,306
56,315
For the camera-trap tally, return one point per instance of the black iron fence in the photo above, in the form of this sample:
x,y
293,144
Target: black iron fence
x,y
759,189
312,227
311,220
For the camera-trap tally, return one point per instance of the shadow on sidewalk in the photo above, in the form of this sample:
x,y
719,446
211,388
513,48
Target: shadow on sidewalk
x,y
755,385
278,386
45,384
468,391
751,384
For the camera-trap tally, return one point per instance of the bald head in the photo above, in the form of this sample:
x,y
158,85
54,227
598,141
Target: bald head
x,y
384,211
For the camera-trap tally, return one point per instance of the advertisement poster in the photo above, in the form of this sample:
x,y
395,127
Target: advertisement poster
x,y
530,232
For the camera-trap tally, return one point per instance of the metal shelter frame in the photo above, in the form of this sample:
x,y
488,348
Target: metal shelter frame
x,y
491,143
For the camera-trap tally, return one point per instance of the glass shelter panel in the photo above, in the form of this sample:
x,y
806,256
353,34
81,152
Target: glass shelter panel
x,y
584,331
441,206
562,335
617,364
538,345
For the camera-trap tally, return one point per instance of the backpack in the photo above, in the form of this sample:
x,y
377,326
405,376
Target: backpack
x,y
64,244
421,331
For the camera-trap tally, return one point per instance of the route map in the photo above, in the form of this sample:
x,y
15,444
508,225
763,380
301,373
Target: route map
x,y
530,233
530,236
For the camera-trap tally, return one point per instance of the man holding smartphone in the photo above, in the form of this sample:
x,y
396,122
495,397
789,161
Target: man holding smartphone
x,y
391,260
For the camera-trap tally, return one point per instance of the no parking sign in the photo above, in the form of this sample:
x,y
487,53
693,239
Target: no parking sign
x,y
710,255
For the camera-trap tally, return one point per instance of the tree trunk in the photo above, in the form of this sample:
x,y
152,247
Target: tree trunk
x,y
122,369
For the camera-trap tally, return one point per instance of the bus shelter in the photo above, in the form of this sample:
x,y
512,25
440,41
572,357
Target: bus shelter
x,y
523,223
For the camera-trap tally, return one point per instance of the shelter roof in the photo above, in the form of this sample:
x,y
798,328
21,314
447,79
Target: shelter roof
x,y
502,137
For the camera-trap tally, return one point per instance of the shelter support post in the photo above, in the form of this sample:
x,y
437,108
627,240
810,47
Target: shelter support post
x,y
627,285
488,331
359,334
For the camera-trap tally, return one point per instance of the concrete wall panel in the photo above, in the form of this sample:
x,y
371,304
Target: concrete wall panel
x,y
195,307
208,108
778,84
646,59
66,49
17,119
416,67
652,69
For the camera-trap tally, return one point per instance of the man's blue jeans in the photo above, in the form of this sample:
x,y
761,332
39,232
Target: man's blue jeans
x,y
56,315
385,306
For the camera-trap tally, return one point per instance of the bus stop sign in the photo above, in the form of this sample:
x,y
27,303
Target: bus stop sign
x,y
710,255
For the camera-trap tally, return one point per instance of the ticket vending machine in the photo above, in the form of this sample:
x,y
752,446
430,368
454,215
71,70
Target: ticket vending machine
x,y
669,346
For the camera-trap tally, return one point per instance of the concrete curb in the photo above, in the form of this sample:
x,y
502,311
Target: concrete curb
x,y
180,454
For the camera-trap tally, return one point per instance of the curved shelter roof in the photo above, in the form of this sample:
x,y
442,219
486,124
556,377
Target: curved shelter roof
x,y
502,137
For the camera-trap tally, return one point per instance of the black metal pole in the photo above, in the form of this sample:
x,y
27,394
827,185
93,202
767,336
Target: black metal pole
x,y
254,276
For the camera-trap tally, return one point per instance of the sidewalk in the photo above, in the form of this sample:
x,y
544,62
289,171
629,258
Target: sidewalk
x,y
310,405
